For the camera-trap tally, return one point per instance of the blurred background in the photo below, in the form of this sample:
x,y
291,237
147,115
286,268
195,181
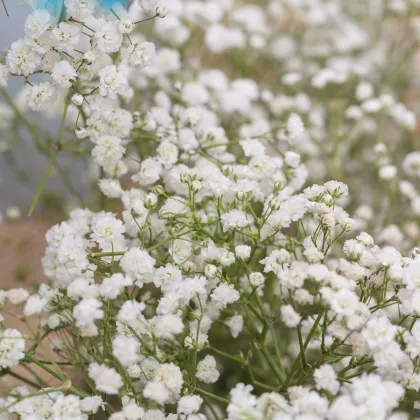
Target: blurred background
x,y
21,165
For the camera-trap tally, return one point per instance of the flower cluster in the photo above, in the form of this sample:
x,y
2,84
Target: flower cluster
x,y
222,275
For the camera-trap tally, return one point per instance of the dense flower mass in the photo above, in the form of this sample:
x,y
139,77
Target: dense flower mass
x,y
253,253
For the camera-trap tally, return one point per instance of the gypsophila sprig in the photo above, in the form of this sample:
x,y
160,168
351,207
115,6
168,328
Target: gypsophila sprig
x,y
253,252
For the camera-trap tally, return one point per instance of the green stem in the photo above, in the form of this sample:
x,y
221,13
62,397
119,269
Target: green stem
x,y
5,8
60,377
305,345
43,181
212,396
302,349
27,381
229,356
107,254
52,162
212,409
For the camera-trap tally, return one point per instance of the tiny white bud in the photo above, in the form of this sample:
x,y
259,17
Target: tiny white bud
x,y
256,279
159,190
77,99
185,177
161,11
275,204
210,271
80,132
279,186
227,170
196,186
151,200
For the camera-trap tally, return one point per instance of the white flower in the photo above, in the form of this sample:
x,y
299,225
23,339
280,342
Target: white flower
x,y
256,279
64,74
150,171
112,82
295,127
91,404
108,150
109,38
157,392
125,26
140,55
138,265
66,36
41,97
189,404
171,376
113,286
126,350
206,370
80,9
326,378
234,219
336,189
223,295
167,326
220,38
243,252
235,323
37,23
17,296
34,305
289,316
110,187
379,332
106,379
22,59
253,147
411,164
107,229
12,348
149,6
86,313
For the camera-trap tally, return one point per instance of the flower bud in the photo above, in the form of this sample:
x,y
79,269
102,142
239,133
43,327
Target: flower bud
x,y
241,196
158,190
227,170
77,99
279,186
185,178
151,201
196,186
161,11
256,279
274,204
80,132
210,271
196,250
